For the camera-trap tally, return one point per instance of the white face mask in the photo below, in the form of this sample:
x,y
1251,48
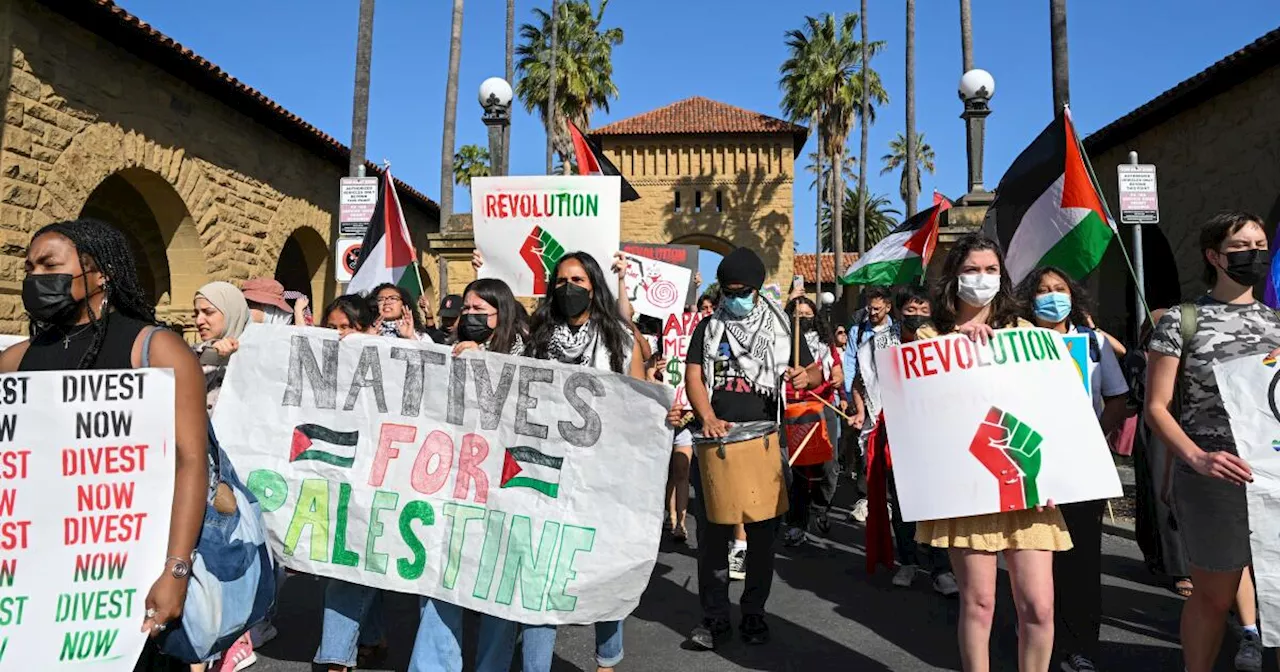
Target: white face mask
x,y
978,289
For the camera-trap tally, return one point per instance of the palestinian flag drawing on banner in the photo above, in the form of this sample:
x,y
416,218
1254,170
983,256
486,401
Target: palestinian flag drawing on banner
x,y
1048,209
386,253
314,442
592,161
526,467
540,253
901,256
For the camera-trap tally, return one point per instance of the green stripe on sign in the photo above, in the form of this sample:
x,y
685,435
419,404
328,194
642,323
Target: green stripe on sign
x,y
896,272
535,456
548,489
326,457
1081,250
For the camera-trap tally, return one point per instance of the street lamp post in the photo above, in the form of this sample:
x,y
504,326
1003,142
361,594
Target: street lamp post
x,y
495,98
976,89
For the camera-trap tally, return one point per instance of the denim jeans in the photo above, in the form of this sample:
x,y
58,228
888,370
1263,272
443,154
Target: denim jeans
x,y
438,645
540,643
352,617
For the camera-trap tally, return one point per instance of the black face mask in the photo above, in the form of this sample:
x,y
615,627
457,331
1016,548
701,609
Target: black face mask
x,y
806,324
912,323
1248,267
47,297
474,327
571,299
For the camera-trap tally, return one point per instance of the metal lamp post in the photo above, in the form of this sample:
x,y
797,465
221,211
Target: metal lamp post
x,y
976,89
495,98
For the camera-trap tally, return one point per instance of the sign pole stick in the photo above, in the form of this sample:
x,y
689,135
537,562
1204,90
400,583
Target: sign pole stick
x,y
1139,274
829,405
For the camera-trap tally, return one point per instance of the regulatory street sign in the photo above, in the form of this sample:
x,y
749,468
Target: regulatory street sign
x,y
1138,202
346,258
357,198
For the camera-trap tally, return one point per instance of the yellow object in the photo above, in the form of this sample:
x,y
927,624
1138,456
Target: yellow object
x,y
1027,530
742,482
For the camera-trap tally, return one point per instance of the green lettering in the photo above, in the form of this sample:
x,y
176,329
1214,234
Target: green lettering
x,y
998,353
593,205
572,540
521,563
460,514
341,554
1051,347
88,644
1035,346
1022,338
382,501
422,512
313,510
4,646
269,487
489,553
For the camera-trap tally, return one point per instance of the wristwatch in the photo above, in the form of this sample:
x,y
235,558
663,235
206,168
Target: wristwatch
x,y
180,568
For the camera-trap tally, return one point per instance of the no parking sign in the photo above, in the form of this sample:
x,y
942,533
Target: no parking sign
x,y
346,258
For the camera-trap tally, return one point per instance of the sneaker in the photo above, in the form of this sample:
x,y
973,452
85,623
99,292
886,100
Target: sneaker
x,y
794,536
262,633
239,656
860,510
822,523
1078,663
753,629
945,584
1249,657
737,564
905,576
710,633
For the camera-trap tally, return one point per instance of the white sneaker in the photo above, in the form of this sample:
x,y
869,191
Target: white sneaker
x,y
905,576
946,585
1249,657
737,564
860,510
262,633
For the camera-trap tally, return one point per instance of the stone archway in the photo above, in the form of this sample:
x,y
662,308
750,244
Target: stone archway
x,y
302,265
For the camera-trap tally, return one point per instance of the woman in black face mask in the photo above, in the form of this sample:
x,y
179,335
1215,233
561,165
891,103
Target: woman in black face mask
x,y
88,311
491,319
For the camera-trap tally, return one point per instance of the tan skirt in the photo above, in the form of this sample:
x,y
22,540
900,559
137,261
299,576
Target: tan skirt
x,y
1027,530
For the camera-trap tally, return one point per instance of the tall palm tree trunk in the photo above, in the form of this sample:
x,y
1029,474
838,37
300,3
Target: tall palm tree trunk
x,y
913,190
551,87
1061,71
511,79
837,216
862,149
818,219
966,37
450,118
360,100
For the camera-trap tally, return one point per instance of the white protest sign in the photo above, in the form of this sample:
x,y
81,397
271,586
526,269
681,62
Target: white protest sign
x,y
523,225
7,341
86,486
1248,388
656,288
676,332
521,488
980,429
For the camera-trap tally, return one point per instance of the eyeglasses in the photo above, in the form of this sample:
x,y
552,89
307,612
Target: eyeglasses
x,y
388,300
737,293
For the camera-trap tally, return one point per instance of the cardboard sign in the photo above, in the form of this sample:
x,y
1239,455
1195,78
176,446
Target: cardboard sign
x,y
523,225
680,255
676,332
655,288
86,487
521,488
980,429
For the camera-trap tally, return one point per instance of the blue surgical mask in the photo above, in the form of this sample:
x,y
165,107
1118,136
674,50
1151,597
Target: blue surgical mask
x,y
738,306
1053,307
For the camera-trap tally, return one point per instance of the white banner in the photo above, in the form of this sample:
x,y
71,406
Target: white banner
x,y
980,429
1248,388
656,288
524,224
676,332
86,487
521,488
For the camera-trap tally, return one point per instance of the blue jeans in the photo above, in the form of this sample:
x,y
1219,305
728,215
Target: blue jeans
x,y
438,645
540,643
352,617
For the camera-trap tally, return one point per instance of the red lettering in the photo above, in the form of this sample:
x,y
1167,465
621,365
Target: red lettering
x,y
944,354
423,478
964,353
470,457
490,206
104,460
102,496
13,535
13,464
910,366
524,203
390,433
926,359
114,528
7,498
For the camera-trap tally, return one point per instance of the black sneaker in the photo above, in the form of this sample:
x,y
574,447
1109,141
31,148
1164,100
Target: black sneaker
x,y
753,629
709,633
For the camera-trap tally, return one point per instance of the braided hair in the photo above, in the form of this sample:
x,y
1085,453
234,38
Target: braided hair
x,y
103,248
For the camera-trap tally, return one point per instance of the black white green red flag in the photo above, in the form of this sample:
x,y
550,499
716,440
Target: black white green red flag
x,y
1048,209
901,257
386,253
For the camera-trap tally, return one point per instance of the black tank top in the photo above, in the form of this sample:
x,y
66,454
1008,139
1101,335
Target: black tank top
x,y
59,350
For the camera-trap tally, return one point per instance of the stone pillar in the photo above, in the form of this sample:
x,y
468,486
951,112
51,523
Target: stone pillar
x,y
957,222
453,247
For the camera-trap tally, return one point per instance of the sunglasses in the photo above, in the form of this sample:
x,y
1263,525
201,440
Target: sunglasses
x,y
737,293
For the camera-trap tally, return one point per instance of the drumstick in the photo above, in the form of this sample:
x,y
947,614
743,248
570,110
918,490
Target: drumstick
x,y
808,436
1111,512
829,405
795,340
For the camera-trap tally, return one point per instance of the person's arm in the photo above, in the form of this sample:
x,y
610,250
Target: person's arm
x,y
1162,372
191,482
860,409
637,359
300,312
1113,387
1116,346
696,389
1114,412
12,356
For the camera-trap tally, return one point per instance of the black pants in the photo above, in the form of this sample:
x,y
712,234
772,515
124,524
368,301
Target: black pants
x,y
713,559
1077,581
906,549
810,491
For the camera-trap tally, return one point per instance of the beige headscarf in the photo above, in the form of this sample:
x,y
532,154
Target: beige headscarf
x,y
230,302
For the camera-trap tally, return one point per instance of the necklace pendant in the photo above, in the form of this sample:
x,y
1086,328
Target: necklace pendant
x,y
66,343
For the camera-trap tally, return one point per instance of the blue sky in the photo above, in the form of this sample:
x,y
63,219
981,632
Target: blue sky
x,y
1122,54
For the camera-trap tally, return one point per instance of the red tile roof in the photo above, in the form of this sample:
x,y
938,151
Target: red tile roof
x,y
701,116
804,265
111,22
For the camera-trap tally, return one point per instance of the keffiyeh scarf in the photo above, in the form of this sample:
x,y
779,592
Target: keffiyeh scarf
x,y
584,347
759,344
821,352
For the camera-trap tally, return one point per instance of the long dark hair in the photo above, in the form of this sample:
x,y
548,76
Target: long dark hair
x,y
1027,290
512,318
946,302
819,322
103,248
355,307
603,310
409,305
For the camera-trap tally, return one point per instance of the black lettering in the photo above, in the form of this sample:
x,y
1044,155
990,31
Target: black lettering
x,y
415,365
589,432
491,400
456,410
526,402
304,368
368,374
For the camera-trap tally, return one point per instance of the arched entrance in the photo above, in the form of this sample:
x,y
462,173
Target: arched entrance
x,y
170,258
302,266
711,250
1162,286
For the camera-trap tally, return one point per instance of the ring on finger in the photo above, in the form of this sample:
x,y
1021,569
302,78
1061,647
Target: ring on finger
x,y
151,613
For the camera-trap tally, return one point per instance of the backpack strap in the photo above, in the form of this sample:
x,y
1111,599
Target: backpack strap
x,y
145,360
1188,324
1095,350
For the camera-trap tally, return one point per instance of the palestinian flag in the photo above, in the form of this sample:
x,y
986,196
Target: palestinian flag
x,y
540,253
387,254
901,256
313,442
1048,209
525,467
592,161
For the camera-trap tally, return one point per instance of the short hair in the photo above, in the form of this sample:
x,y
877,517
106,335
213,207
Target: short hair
x,y
876,292
912,294
1217,229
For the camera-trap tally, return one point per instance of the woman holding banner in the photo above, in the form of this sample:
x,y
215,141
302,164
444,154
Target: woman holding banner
x,y
1054,301
1208,498
88,311
974,297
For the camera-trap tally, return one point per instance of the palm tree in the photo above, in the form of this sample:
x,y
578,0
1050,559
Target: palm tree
x,y
470,161
846,170
881,218
1058,42
511,77
548,120
360,104
966,37
583,69
864,114
897,158
450,117
912,194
